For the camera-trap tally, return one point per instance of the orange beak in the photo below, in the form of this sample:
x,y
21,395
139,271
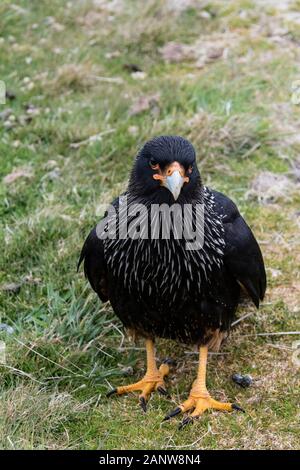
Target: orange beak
x,y
173,178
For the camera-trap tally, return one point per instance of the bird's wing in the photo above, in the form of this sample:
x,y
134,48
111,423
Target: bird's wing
x,y
243,257
92,254
94,261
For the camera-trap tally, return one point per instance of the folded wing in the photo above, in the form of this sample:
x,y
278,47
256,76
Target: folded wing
x,y
243,257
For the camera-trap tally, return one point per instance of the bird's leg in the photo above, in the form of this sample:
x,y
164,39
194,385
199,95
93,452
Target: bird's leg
x,y
199,398
153,379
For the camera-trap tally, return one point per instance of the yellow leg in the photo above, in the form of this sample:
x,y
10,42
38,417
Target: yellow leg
x,y
199,399
153,379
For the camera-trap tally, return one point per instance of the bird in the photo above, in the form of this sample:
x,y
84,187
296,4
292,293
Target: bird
x,y
164,285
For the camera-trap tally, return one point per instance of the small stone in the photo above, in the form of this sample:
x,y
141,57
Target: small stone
x,y
8,329
127,370
52,175
215,53
5,114
205,15
30,86
242,380
11,287
139,75
133,130
112,55
275,273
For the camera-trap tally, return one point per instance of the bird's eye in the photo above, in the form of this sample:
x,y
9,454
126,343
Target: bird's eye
x,y
190,169
154,165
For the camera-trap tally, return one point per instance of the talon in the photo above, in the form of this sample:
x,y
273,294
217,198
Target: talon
x,y
143,404
111,392
199,400
237,408
162,391
169,361
153,380
185,422
172,414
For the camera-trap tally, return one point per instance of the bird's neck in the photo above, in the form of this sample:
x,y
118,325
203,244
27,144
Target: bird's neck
x,y
137,194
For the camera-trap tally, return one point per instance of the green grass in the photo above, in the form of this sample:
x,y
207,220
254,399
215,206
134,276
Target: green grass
x,y
67,349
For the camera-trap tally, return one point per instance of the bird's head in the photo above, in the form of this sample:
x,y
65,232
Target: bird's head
x,y
166,169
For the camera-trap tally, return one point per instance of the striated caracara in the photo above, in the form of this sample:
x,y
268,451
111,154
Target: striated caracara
x,y
162,284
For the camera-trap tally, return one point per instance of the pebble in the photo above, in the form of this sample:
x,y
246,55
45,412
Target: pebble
x,y
243,380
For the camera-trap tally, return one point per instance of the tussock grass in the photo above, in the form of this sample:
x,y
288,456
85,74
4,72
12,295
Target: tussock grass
x,y
71,127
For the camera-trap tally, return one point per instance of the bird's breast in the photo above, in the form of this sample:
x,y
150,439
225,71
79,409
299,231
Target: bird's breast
x,y
166,270
161,271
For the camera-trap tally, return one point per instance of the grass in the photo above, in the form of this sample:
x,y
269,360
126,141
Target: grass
x,y
64,61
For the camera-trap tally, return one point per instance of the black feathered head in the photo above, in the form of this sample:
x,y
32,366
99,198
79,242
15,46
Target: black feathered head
x,y
165,169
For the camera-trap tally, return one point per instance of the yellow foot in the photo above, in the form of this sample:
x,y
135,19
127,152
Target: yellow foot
x,y
196,404
152,381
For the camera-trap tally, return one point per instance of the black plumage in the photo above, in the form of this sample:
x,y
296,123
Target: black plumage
x,y
158,288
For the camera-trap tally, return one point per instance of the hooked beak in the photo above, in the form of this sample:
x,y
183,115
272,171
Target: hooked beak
x,y
173,178
174,183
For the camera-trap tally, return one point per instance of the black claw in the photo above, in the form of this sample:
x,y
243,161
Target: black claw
x,y
169,361
172,414
112,392
162,391
185,422
237,408
143,404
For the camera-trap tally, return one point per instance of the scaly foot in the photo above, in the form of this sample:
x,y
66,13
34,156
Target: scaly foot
x,y
152,381
196,404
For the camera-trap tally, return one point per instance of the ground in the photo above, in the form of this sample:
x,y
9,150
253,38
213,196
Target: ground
x,y
88,82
